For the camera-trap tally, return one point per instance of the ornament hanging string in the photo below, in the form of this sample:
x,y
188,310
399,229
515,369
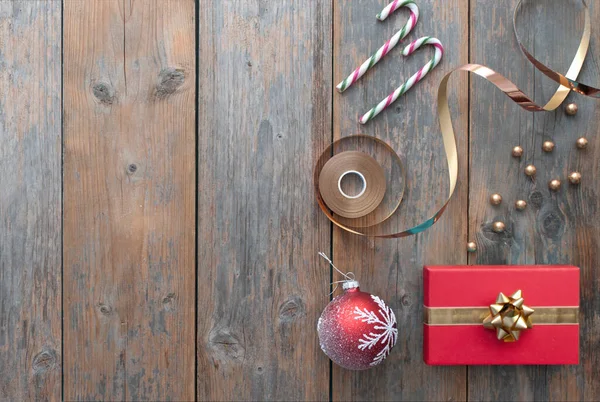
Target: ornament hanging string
x,y
349,275
508,88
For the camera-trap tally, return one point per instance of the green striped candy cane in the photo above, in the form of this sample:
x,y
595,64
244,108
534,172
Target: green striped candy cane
x,y
418,76
387,46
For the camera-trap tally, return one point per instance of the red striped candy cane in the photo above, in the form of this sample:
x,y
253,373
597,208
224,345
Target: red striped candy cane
x,y
418,76
387,46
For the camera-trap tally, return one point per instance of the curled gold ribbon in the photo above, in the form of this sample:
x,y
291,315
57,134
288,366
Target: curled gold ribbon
x,y
566,81
513,92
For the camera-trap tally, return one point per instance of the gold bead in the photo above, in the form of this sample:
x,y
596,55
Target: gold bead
x,y
548,146
495,199
471,247
517,151
582,142
554,185
498,227
571,109
575,178
520,205
530,170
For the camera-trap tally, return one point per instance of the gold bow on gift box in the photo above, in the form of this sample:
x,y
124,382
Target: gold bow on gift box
x,y
509,316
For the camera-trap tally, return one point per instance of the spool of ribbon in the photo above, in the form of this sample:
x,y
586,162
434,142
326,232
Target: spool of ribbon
x,y
372,186
381,183
568,82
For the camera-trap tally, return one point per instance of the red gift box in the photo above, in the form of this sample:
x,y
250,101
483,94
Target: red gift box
x,y
458,298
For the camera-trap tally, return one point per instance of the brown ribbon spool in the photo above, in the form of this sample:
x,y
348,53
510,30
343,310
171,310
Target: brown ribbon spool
x,y
373,184
384,181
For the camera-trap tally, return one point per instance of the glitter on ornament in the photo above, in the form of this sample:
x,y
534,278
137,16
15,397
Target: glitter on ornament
x,y
388,325
357,330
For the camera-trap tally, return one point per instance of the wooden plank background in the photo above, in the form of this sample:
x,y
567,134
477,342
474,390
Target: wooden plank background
x,y
30,201
556,228
392,269
264,117
129,167
185,214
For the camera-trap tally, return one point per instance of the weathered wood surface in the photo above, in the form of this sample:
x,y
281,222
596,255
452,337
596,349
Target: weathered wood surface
x,y
391,269
556,228
129,195
266,110
264,117
30,201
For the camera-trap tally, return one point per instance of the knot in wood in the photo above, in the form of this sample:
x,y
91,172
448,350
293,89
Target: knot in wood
x,y
536,199
44,361
169,80
104,93
105,309
552,223
225,345
406,300
292,309
168,298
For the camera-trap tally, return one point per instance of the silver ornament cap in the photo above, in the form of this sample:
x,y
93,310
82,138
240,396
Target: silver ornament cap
x,y
350,285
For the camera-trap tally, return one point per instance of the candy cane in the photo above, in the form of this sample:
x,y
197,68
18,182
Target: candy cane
x,y
390,8
389,45
408,50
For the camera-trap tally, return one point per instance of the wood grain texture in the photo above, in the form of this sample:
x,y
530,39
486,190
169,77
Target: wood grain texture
x,y
266,110
264,118
30,201
129,199
392,269
556,228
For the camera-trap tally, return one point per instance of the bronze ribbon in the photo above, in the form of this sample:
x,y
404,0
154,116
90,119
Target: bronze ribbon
x,y
512,91
566,81
476,315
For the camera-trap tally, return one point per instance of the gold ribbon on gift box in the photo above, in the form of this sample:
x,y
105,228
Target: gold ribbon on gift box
x,y
508,316
476,315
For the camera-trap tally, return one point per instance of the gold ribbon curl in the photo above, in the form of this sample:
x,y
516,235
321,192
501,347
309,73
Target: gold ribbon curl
x,y
567,83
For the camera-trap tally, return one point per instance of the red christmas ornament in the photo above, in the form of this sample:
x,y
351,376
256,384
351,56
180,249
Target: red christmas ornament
x,y
357,330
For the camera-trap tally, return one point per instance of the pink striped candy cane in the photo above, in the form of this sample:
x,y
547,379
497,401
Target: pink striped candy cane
x,y
387,46
390,8
418,76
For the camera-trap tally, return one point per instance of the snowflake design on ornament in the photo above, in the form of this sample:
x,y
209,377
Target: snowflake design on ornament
x,y
389,334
